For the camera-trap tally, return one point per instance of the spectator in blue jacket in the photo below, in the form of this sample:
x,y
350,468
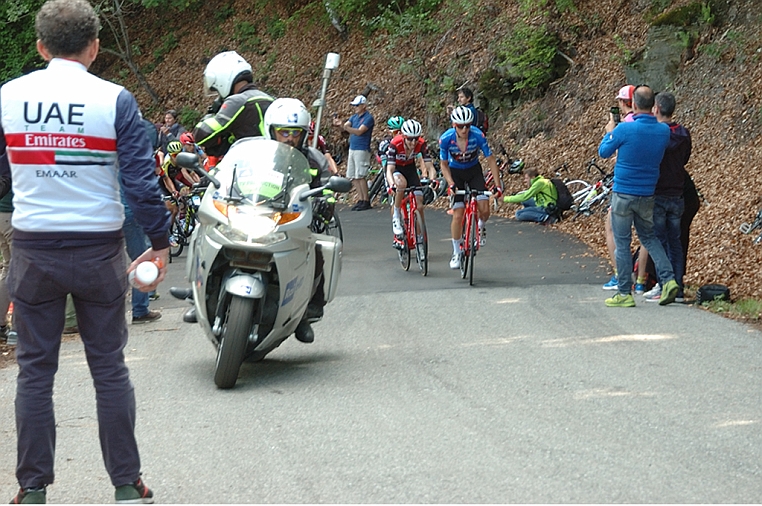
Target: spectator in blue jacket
x,y
640,147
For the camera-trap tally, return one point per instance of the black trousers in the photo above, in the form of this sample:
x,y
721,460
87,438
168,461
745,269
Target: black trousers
x,y
38,281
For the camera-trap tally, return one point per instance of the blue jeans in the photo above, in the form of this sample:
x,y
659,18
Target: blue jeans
x,y
531,212
668,213
137,242
627,210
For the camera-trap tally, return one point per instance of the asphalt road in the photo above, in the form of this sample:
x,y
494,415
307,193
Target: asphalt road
x,y
523,388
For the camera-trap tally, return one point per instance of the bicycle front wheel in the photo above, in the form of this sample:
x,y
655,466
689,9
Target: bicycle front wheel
x,y
333,228
465,253
176,238
421,244
379,184
473,244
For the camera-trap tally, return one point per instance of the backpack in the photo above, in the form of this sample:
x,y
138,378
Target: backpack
x,y
565,199
481,121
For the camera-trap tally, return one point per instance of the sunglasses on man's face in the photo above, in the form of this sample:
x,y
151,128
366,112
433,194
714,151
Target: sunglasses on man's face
x,y
462,127
288,132
411,139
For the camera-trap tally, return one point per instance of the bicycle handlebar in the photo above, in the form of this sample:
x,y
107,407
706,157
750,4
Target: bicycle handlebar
x,y
592,163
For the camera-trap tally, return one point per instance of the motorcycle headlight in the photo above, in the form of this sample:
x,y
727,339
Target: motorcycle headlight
x,y
251,228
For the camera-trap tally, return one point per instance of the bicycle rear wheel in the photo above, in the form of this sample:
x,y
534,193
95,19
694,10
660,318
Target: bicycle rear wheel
x,y
473,245
421,244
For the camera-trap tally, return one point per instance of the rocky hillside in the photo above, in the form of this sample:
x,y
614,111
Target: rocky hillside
x,y
716,83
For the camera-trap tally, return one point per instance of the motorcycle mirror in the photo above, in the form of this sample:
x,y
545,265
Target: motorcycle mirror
x,y
190,161
335,183
339,184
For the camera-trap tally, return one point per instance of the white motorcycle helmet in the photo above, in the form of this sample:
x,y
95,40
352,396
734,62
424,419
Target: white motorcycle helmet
x,y
223,71
287,113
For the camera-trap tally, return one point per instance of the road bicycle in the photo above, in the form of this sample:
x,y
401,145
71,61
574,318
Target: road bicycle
x,y
325,220
748,228
377,183
471,234
587,196
414,236
182,226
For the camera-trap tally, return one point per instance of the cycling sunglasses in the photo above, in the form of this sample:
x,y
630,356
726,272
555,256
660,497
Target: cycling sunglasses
x,y
463,127
288,132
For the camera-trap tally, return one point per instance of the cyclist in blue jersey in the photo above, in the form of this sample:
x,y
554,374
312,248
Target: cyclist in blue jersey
x,y
459,154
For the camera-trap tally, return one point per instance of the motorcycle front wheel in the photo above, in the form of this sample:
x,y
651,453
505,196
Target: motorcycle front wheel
x,y
232,348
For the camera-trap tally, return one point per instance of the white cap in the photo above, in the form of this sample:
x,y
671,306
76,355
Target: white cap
x,y
359,99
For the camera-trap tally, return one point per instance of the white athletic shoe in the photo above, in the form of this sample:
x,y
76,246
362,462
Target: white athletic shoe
x,y
455,261
397,226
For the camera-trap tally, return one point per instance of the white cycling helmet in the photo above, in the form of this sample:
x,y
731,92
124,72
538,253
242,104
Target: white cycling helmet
x,y
287,113
462,116
411,128
223,71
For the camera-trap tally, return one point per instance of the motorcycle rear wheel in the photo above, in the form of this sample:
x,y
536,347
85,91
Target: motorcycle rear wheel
x,y
232,348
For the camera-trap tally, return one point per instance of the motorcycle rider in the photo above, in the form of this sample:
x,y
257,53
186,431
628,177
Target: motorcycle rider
x,y
236,113
288,121
239,109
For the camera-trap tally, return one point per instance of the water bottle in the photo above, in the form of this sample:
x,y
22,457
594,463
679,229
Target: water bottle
x,y
145,273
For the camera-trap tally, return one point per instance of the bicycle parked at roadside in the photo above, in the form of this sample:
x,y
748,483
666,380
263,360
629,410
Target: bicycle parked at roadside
x,y
414,236
748,228
587,196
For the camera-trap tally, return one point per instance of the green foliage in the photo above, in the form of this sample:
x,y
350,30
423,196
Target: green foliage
x,y
750,309
529,52
276,27
245,34
626,57
398,17
168,43
17,38
695,13
188,117
223,12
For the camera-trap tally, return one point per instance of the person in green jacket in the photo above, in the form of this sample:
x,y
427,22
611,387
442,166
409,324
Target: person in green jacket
x,y
540,194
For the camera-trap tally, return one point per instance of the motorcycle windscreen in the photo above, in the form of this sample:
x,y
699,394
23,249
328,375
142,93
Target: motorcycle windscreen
x,y
262,170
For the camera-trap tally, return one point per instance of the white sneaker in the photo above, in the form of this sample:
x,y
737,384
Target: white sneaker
x,y
653,291
397,226
455,261
483,237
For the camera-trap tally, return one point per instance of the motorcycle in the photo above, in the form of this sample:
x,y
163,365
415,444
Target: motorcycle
x,y
251,259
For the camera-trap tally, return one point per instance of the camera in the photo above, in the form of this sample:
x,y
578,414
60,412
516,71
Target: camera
x,y
615,112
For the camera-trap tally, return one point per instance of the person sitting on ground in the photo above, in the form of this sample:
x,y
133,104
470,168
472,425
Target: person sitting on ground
x,y
535,199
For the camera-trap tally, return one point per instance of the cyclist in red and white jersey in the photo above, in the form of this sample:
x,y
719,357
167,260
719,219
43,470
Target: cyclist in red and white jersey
x,y
405,151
